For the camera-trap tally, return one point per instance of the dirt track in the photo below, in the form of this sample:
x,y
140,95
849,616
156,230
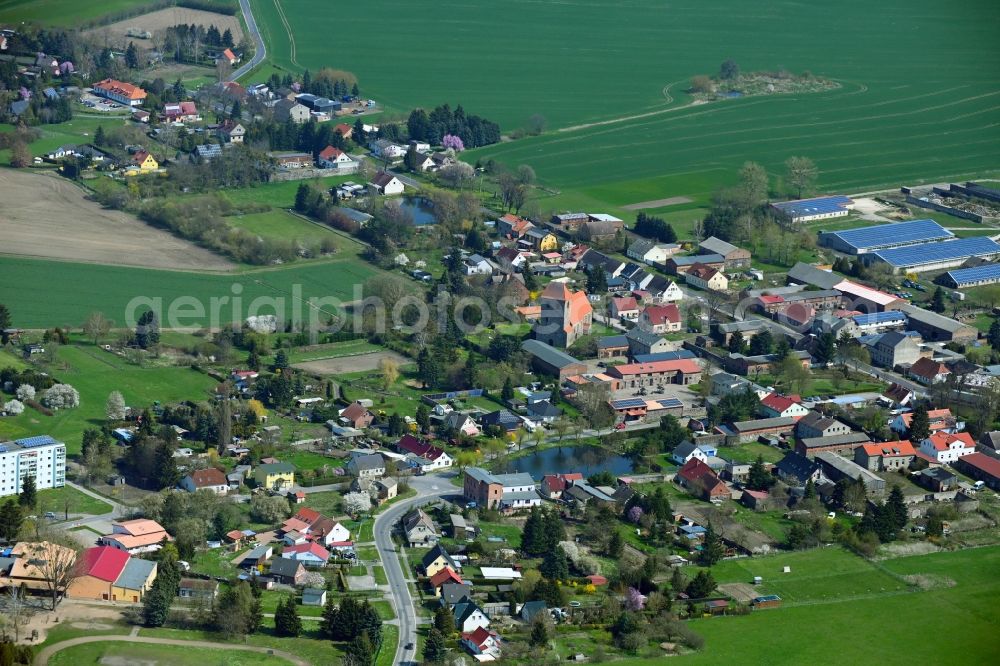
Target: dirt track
x,y
657,203
347,364
47,217
167,18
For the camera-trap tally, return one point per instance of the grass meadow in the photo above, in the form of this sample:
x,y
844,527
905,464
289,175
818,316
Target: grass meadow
x,y
126,653
918,100
840,609
95,373
61,13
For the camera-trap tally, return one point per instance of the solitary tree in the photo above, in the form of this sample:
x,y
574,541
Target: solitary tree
x,y
435,649
97,326
920,425
712,550
801,174
28,497
937,301
729,70
286,620
114,410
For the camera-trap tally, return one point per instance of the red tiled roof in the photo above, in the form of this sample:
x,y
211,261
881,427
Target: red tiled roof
x,y
313,548
928,369
203,478
343,129
890,449
308,516
446,575
685,365
694,469
121,88
102,562
330,152
624,303
941,440
778,402
984,463
770,300
657,315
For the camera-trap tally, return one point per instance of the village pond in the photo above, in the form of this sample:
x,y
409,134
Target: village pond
x,y
420,209
586,459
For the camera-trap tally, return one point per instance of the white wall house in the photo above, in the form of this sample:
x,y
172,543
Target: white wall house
x,y
41,457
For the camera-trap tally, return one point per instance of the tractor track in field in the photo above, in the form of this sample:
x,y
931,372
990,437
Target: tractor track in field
x,y
668,100
288,29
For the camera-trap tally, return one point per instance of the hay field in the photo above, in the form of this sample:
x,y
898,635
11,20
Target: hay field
x,y
50,217
167,18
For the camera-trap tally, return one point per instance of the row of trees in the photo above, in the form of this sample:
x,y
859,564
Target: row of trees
x,y
474,131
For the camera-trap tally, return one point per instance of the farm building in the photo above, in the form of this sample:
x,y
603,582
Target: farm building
x,y
836,468
121,92
936,256
981,467
865,299
933,327
736,257
806,274
884,236
549,360
819,208
972,277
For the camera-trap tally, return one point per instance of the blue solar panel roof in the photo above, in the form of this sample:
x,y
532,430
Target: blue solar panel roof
x,y
888,235
815,206
3,449
31,442
670,402
663,356
929,253
977,274
879,318
628,403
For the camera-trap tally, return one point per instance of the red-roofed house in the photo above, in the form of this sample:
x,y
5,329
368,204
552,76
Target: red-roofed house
x,y
229,57
344,130
445,575
939,419
181,112
927,371
982,468
680,371
357,416
333,158
661,318
121,92
513,226
701,480
309,554
431,456
706,277
108,574
885,456
625,307
206,479
947,448
136,536
483,644
553,485
775,405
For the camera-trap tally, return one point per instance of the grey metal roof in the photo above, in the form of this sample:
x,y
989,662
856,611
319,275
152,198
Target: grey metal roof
x,y
643,336
543,408
805,274
370,461
520,495
835,440
284,566
849,468
717,246
797,465
741,326
932,319
756,424
507,480
548,354
699,259
135,574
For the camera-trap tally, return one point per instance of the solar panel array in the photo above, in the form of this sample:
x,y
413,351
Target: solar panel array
x,y
879,318
982,273
670,403
628,403
33,442
930,253
891,235
817,206
3,448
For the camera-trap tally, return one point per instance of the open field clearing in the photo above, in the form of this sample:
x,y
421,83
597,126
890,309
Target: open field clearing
x,y
167,18
918,100
54,220
63,13
114,652
364,362
95,373
84,288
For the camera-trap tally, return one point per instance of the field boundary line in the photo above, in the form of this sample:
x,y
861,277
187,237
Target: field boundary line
x,y
43,657
291,37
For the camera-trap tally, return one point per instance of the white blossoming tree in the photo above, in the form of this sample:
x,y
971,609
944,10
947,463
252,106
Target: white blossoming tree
x,y
61,396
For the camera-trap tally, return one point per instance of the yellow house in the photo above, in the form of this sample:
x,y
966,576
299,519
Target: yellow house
x,y
145,161
544,241
275,476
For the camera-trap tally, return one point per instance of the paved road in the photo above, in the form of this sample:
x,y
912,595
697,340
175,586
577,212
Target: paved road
x,y
42,658
428,488
260,51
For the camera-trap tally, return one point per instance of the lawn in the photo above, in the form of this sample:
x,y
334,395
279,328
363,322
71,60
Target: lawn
x,y
309,646
55,293
332,350
279,224
914,105
58,499
117,652
328,503
282,194
748,452
95,373
214,562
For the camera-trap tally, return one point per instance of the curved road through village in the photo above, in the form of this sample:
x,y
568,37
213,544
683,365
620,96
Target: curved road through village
x,y
428,489
260,52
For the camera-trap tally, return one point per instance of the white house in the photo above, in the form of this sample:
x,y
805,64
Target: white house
x,y
706,277
309,554
775,405
469,617
686,450
206,479
386,184
333,158
650,252
463,423
663,291
947,448
477,265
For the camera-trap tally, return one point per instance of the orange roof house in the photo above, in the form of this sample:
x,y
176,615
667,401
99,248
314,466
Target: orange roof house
x,y
136,536
121,92
344,130
445,575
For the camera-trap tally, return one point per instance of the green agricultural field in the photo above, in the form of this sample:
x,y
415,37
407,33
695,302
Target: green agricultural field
x,y
63,13
53,293
281,225
95,373
917,102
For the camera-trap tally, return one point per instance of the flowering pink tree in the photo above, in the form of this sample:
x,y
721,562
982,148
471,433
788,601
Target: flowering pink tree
x,y
634,600
635,514
25,93
66,68
296,86
453,142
